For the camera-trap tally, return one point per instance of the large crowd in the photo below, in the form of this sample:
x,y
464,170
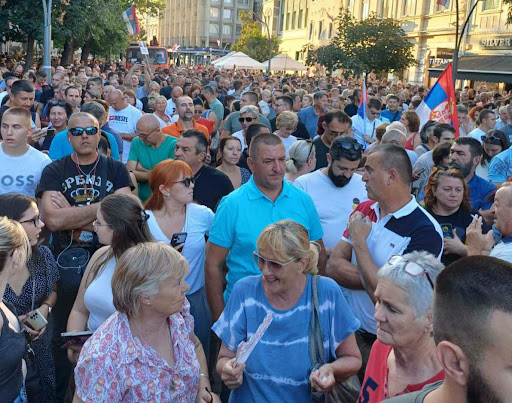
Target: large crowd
x,y
157,225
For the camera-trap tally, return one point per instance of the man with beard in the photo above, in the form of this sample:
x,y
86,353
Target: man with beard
x,y
390,223
185,109
335,123
465,155
472,324
336,190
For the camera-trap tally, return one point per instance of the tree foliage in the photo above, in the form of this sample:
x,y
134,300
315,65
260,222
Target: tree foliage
x,y
252,42
509,14
361,47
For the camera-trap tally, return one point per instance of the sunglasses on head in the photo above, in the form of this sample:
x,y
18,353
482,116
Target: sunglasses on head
x,y
57,103
187,182
350,146
78,131
412,268
491,139
249,120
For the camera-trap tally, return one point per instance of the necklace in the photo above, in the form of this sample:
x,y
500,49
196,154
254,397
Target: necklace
x,y
88,192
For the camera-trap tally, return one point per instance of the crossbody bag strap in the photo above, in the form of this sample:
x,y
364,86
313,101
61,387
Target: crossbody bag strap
x,y
316,350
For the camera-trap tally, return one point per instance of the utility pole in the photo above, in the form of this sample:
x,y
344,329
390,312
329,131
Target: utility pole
x,y
47,51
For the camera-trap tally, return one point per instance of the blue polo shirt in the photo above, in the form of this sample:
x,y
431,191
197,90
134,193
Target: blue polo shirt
x,y
244,213
61,147
501,167
310,119
479,192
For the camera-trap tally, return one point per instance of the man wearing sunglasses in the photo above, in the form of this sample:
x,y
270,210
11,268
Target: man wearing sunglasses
x,y
249,115
243,214
390,223
232,123
335,124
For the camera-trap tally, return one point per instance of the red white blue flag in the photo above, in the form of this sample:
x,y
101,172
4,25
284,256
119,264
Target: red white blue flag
x,y
132,24
361,110
443,3
440,103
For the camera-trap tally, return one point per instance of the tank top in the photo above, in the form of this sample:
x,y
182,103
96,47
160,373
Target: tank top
x,y
12,349
98,297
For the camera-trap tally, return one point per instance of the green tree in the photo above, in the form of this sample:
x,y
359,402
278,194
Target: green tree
x,y
362,47
252,42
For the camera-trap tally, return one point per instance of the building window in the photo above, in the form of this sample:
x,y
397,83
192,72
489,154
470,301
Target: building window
x,y
320,28
226,29
351,3
226,14
214,13
228,2
294,17
366,10
287,21
409,7
243,2
490,5
214,29
299,22
330,30
310,36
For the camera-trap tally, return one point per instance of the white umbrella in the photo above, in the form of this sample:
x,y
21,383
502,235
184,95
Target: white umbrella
x,y
284,62
241,61
224,57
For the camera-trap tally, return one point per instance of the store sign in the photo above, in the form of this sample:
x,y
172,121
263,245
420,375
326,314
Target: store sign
x,y
434,62
444,53
496,43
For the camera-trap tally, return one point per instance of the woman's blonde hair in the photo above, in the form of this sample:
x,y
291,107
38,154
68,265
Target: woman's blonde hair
x,y
12,238
288,240
287,119
141,270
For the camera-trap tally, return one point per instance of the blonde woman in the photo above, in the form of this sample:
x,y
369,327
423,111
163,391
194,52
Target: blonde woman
x,y
163,118
147,350
301,161
287,260
287,124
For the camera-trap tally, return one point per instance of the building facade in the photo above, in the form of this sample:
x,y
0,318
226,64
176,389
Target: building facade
x,y
204,23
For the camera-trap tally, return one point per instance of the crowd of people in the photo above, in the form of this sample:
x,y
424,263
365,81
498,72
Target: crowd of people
x,y
152,221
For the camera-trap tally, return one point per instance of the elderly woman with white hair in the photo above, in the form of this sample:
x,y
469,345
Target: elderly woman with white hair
x,y
286,124
146,351
403,358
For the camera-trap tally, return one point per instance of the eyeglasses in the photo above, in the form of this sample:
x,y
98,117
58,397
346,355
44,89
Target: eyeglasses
x,y
272,265
374,113
78,131
144,135
491,139
187,182
412,268
96,223
248,120
36,220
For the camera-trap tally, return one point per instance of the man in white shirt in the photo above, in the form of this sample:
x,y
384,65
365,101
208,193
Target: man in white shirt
x,y
123,119
365,129
21,165
487,120
336,190
502,121
171,102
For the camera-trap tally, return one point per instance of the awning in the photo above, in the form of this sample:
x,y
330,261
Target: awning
x,y
480,68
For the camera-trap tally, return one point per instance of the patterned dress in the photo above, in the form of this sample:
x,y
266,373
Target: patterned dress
x,y
115,366
43,274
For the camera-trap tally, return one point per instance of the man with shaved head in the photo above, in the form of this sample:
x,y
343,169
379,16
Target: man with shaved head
x,y
123,118
185,110
171,102
395,136
150,147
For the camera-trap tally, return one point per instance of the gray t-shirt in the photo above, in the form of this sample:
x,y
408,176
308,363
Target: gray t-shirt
x,y
415,397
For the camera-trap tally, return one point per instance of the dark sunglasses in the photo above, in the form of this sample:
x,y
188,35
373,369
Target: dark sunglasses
x,y
57,103
249,120
491,139
78,131
350,146
187,181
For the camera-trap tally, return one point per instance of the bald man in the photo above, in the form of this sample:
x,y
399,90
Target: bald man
x,y
185,110
171,102
123,118
149,147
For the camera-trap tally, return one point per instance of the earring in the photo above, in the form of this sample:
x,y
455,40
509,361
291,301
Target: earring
x,y
167,196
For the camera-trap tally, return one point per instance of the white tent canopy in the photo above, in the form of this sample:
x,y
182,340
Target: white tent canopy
x,y
241,61
284,62
230,54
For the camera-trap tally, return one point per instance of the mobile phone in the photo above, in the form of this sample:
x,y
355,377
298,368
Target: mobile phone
x,y
50,132
447,230
35,320
178,239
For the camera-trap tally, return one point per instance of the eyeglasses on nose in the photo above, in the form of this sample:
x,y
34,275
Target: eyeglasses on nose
x,y
187,182
78,131
248,120
36,220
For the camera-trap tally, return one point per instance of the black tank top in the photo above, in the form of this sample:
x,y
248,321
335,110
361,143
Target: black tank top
x,y
12,349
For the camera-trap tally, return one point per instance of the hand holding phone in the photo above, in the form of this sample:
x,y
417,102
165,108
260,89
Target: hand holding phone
x,y
35,320
178,239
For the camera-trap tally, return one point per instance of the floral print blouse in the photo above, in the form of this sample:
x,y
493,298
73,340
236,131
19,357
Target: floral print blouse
x,y
115,366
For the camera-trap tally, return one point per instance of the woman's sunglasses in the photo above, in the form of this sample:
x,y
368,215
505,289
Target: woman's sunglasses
x,y
187,182
78,131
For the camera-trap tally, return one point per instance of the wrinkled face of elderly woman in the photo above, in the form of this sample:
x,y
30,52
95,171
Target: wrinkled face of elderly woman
x,y
170,297
397,325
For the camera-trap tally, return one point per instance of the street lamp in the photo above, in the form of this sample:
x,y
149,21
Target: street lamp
x,y
47,8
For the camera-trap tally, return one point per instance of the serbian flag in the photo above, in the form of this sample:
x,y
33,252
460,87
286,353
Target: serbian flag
x,y
329,16
361,110
443,3
440,103
175,47
132,23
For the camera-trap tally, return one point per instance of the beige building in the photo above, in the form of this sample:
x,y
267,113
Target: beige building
x,y
429,26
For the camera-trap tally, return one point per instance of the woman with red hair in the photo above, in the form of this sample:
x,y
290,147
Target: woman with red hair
x,y
176,220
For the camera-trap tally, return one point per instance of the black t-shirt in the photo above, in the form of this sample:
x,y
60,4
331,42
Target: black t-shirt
x,y
166,91
48,93
321,151
351,109
64,176
459,220
211,186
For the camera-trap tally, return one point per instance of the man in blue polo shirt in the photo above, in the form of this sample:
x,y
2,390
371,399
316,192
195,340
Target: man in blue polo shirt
x,y
390,223
500,168
61,147
243,214
309,116
465,155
